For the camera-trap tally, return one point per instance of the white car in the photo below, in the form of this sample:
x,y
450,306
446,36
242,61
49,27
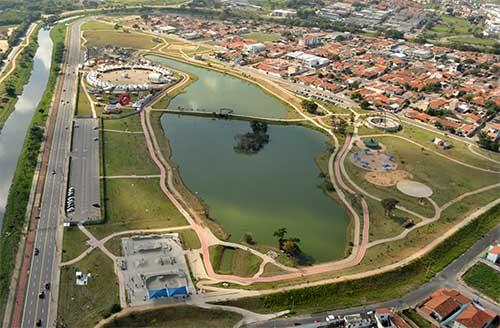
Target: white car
x,y
330,317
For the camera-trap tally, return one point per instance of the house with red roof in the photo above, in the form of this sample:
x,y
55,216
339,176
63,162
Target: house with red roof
x,y
443,303
475,317
493,254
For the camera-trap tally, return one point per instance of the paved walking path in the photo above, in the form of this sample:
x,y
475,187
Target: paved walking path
x,y
122,131
130,176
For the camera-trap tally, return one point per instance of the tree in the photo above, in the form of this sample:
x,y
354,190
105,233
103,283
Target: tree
x,y
249,238
389,204
310,106
10,89
280,234
364,105
291,246
486,142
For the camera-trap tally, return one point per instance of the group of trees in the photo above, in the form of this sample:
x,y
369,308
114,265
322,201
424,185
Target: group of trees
x,y
486,142
252,142
310,106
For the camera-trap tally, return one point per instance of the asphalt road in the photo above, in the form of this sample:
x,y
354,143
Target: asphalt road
x,y
44,264
446,278
84,173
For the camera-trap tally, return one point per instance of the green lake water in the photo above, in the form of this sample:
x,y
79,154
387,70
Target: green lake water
x,y
259,193
213,91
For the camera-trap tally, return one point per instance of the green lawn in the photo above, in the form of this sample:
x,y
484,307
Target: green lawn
x,y
189,239
127,154
119,39
129,123
83,107
136,204
450,26
93,25
485,279
74,243
226,260
474,41
262,37
85,306
178,317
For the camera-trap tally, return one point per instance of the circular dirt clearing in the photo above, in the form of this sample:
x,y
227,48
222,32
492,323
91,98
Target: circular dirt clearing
x,y
414,188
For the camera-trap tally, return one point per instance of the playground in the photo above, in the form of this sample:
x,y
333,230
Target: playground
x,y
373,157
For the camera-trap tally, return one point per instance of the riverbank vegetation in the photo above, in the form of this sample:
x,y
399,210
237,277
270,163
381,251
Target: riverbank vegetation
x,y
377,288
13,85
178,317
485,279
15,212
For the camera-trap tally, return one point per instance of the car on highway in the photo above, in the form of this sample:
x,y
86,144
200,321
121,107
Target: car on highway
x,y
41,295
47,286
39,323
37,251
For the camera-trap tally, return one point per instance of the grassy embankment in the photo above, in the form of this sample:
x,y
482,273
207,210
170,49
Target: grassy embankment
x,y
13,85
227,260
178,317
377,288
15,212
85,306
83,107
485,279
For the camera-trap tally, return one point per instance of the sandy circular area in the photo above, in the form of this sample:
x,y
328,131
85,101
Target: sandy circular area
x,y
414,188
388,178
127,76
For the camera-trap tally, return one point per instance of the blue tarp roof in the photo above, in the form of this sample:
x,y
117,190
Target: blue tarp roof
x,y
167,292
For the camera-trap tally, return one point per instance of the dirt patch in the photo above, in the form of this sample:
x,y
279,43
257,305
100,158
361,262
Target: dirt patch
x,y
388,178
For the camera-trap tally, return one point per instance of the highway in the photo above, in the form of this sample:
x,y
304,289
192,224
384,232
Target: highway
x,y
446,278
44,266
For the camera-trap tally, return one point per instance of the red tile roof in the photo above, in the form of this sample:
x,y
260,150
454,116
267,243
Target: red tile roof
x,y
473,317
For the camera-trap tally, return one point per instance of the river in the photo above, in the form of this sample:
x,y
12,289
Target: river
x,y
14,131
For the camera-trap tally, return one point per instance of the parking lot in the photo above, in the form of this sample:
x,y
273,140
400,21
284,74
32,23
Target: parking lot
x,y
83,196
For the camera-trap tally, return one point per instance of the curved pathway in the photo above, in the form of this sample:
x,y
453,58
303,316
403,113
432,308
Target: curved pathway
x,y
472,150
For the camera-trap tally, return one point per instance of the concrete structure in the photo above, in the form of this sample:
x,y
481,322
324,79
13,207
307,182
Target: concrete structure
x,y
154,269
307,59
283,13
254,48
384,123
93,77
493,254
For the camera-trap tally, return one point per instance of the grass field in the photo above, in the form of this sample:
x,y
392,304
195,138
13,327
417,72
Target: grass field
x,y
262,37
127,154
226,260
74,243
447,179
450,26
130,123
485,279
376,288
119,39
83,107
93,25
474,41
84,306
136,204
178,317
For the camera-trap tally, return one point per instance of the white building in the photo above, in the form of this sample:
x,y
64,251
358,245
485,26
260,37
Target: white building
x,y
254,48
283,13
493,254
308,59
